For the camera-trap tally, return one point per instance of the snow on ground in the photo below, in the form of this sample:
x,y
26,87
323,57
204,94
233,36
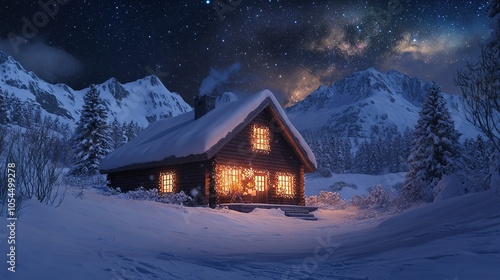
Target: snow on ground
x,y
104,237
316,183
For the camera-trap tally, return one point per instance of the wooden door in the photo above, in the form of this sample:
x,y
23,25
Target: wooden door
x,y
260,181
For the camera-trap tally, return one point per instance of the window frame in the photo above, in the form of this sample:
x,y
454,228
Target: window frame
x,y
229,176
285,184
261,139
166,179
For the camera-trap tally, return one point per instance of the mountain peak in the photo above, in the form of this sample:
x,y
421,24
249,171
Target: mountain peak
x,y
111,80
371,70
395,72
153,80
353,105
3,57
142,101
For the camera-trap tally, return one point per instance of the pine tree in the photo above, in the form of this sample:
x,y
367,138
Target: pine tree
x,y
91,140
435,148
362,159
117,134
131,130
4,114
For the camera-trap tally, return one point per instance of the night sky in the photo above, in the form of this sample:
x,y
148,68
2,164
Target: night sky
x,y
290,47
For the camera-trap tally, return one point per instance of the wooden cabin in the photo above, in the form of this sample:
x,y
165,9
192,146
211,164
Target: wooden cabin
x,y
242,151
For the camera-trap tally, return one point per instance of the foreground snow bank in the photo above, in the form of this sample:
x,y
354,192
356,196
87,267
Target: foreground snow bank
x,y
104,237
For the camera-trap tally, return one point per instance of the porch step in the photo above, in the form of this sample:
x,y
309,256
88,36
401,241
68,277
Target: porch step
x,y
303,216
295,211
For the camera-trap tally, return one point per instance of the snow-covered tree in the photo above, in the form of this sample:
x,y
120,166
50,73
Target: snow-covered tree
x,y
4,114
91,139
117,134
362,158
435,148
131,130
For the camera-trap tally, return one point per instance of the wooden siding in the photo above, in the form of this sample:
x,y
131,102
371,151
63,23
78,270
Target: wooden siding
x,y
281,158
237,152
190,178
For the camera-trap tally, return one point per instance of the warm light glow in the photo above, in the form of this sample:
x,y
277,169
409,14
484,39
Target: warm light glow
x,y
235,180
229,180
167,181
286,185
260,139
260,183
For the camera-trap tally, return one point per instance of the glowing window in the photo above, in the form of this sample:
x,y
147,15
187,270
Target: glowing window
x,y
167,182
260,139
231,180
260,183
286,184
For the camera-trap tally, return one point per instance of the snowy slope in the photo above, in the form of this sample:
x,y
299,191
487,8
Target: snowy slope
x,y
353,105
142,101
101,237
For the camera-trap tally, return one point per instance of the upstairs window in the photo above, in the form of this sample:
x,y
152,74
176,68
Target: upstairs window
x,y
261,141
167,182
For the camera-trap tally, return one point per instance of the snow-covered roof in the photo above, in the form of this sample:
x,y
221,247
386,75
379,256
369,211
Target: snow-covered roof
x,y
183,139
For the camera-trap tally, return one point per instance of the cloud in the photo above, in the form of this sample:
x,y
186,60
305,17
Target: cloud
x,y
433,58
52,64
217,78
426,50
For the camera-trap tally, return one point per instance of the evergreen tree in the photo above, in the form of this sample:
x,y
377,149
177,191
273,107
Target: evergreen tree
x,y
18,115
91,140
117,134
362,159
347,153
435,148
131,130
4,114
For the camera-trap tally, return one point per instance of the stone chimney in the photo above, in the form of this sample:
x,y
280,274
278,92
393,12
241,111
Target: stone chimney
x,y
202,105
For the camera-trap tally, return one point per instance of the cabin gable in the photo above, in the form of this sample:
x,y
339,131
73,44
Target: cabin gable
x,y
279,169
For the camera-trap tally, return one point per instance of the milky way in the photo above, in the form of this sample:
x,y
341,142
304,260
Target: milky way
x,y
290,47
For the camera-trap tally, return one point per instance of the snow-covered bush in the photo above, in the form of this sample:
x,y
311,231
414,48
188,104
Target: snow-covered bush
x,y
85,182
448,187
378,198
331,200
153,195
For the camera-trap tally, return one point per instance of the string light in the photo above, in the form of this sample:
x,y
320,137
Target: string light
x,y
286,184
236,180
261,141
167,182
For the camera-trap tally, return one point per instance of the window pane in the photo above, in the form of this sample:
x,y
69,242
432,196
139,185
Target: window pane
x,y
260,138
167,182
230,180
260,183
286,184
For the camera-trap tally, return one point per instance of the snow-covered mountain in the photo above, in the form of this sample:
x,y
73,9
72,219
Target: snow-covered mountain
x,y
141,101
352,106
